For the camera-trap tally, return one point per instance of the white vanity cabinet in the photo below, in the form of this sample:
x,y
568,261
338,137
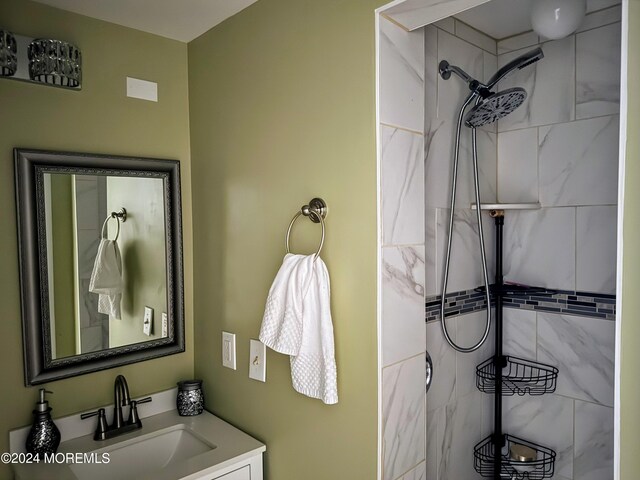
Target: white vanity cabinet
x,y
250,469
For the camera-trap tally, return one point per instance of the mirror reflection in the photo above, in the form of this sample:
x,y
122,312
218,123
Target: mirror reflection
x,y
107,272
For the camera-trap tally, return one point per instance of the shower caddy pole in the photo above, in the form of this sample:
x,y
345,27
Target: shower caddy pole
x,y
498,358
502,375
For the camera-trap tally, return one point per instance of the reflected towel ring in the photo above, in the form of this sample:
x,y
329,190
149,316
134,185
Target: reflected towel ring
x,y
120,215
317,210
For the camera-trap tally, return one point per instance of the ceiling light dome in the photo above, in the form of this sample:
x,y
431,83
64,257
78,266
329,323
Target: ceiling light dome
x,y
554,19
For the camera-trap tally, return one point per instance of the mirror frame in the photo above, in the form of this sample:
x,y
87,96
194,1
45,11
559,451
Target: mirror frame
x,y
30,167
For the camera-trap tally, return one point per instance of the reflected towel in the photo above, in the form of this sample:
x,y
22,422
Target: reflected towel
x,y
106,278
297,322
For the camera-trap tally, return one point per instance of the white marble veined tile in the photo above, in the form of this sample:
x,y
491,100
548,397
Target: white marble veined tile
x,y
440,131
593,442
470,328
430,75
439,166
86,200
465,268
519,333
578,162
88,241
596,233
459,430
487,406
91,339
447,24
518,166
433,449
403,417
88,307
593,5
401,76
550,84
517,42
490,67
601,17
475,37
431,252
443,357
546,420
539,247
583,350
402,187
403,325
598,71
418,473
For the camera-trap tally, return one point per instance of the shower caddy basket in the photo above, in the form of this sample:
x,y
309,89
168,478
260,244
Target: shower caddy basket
x,y
504,375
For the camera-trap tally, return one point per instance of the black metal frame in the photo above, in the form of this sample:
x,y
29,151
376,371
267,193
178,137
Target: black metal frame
x,y
30,166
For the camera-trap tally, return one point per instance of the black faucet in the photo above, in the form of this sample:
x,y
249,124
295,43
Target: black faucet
x,y
120,399
119,426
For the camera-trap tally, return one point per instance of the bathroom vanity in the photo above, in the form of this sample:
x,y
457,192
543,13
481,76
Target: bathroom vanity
x,y
167,447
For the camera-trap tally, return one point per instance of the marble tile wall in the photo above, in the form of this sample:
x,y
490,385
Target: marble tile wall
x,y
577,420
403,329
454,405
456,416
559,149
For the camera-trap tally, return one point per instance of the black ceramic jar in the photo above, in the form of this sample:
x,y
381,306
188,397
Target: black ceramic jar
x,y
190,399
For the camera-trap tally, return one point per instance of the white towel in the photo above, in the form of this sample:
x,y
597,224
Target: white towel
x,y
106,278
297,322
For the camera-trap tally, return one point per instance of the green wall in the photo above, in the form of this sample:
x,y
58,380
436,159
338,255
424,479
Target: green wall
x,y
98,119
630,337
282,107
142,246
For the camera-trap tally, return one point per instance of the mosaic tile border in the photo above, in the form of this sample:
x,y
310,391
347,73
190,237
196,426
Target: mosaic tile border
x,y
569,302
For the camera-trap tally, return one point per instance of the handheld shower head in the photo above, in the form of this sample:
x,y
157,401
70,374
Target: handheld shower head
x,y
519,63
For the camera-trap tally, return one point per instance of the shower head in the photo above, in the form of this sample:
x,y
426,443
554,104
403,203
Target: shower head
x,y
495,106
519,63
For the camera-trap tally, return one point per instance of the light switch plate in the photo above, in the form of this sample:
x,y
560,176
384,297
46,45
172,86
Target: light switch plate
x,y
229,350
257,360
147,325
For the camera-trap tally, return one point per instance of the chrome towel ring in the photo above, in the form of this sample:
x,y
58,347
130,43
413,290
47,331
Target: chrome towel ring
x,y
119,215
317,211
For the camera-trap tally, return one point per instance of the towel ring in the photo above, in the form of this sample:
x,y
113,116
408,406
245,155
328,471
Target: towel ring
x,y
121,214
317,210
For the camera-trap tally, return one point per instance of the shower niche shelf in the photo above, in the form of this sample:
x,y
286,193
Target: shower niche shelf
x,y
507,206
519,376
537,469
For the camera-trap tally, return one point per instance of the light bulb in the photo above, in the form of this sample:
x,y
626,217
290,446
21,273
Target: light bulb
x,y
554,19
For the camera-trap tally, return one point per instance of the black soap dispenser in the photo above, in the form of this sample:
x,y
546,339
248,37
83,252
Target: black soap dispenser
x,y
44,436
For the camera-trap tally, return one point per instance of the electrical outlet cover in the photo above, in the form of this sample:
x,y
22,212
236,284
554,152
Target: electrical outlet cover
x,y
257,360
229,350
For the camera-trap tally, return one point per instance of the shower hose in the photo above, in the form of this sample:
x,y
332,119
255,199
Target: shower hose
x,y
445,280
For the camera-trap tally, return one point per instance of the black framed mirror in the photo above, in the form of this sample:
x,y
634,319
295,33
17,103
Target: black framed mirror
x,y
101,272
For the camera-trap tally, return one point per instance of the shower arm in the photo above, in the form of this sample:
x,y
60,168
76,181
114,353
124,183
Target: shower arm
x,y
476,87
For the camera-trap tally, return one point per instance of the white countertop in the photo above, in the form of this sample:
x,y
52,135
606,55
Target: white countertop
x,y
232,446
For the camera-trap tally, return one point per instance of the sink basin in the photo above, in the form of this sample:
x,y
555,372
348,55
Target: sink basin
x,y
141,456
167,447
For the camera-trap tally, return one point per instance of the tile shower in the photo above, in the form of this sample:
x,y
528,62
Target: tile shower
x,y
559,149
